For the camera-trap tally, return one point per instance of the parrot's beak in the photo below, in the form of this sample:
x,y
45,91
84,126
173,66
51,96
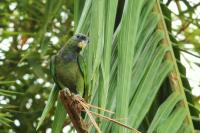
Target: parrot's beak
x,y
82,44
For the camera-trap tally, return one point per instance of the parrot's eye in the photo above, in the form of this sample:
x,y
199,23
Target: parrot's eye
x,y
78,37
81,37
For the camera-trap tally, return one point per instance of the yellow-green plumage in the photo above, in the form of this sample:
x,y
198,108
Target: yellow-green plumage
x,y
66,71
69,75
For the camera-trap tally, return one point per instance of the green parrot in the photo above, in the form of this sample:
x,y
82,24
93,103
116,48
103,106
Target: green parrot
x,y
67,68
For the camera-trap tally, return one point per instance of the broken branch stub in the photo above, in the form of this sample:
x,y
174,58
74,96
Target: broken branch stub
x,y
74,111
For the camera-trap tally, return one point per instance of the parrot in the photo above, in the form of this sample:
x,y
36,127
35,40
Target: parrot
x,y
67,69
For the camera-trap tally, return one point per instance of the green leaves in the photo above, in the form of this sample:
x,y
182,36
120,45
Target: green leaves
x,y
59,117
50,103
174,121
110,12
5,119
127,40
7,82
164,111
126,69
129,76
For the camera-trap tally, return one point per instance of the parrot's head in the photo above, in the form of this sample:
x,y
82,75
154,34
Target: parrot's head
x,y
81,41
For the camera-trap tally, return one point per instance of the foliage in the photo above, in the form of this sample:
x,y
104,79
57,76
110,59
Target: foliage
x,y
126,66
29,34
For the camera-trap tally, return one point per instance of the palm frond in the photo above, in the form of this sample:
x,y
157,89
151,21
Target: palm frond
x,y
131,65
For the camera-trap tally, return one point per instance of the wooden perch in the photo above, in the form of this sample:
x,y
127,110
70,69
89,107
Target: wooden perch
x,y
74,105
74,111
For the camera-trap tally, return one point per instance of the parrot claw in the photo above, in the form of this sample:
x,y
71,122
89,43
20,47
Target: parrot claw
x,y
67,91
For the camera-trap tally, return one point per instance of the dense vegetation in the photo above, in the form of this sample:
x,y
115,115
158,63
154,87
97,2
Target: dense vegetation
x,y
126,61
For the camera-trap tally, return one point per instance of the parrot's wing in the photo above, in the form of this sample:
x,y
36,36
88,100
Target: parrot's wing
x,y
82,66
53,70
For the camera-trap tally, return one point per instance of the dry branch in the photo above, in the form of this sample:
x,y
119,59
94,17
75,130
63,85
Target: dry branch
x,y
74,111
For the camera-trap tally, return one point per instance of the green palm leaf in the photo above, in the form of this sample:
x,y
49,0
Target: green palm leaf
x,y
129,66
137,68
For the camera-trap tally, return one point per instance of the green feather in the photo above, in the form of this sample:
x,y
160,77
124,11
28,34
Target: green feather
x,y
70,66
53,70
83,66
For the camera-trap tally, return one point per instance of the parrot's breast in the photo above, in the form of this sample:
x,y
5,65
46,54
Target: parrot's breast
x,y
69,75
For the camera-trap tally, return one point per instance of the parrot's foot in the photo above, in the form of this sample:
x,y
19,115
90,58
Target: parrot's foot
x,y
77,96
67,92
75,102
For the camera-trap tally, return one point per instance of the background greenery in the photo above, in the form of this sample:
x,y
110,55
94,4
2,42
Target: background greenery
x,y
32,31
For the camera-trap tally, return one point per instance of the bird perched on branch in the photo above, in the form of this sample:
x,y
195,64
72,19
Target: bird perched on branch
x,y
67,68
